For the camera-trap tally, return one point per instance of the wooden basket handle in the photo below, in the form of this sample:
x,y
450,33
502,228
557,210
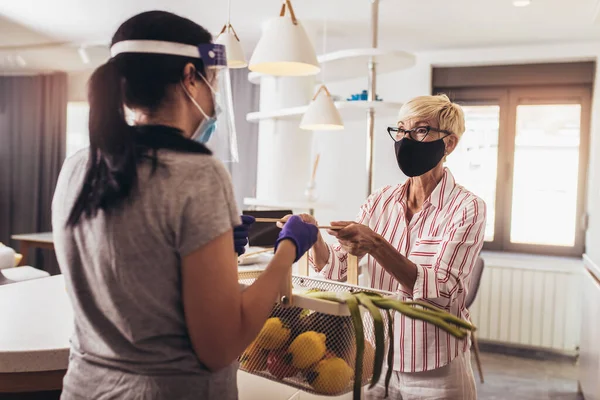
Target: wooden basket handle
x,y
352,273
303,265
285,292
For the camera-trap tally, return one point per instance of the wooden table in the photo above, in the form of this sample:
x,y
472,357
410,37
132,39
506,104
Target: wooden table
x,y
32,240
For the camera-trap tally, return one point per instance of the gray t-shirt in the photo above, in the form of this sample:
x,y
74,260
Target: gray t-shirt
x,y
123,276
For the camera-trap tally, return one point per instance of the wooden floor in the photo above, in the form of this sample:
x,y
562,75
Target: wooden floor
x,y
508,377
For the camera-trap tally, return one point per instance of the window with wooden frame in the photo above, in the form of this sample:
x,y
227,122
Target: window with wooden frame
x,y
525,151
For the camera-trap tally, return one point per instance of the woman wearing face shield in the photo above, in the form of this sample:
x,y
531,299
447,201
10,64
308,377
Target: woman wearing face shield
x,y
146,229
421,239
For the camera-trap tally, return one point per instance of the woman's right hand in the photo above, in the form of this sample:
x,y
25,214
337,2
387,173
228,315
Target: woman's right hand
x,y
303,234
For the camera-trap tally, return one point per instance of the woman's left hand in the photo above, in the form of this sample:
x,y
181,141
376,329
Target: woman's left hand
x,y
356,239
240,234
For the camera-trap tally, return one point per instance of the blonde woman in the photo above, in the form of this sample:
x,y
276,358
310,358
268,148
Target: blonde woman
x,y
421,239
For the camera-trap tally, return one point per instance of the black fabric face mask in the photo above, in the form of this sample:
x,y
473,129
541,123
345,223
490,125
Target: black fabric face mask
x,y
416,158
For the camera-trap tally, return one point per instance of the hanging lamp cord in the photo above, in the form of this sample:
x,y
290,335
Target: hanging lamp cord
x,y
324,49
229,12
228,25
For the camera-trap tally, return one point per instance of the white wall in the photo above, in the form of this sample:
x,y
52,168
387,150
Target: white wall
x,y
284,149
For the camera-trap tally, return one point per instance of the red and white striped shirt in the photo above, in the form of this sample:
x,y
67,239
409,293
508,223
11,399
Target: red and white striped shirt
x,y
443,240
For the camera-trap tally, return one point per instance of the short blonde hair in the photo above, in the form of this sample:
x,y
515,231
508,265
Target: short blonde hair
x,y
448,115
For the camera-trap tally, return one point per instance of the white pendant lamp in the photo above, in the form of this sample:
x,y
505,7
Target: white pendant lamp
x,y
284,48
233,48
235,54
322,114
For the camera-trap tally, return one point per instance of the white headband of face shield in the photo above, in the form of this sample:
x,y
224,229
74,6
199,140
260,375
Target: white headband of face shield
x,y
157,47
224,140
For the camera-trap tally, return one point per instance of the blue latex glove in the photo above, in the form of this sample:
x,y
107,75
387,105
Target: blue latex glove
x,y
240,234
303,235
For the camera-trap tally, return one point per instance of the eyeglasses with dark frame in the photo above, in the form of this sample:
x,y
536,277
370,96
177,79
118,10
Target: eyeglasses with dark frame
x,y
419,133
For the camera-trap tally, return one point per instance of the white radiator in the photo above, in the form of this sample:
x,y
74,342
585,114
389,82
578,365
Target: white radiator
x,y
529,300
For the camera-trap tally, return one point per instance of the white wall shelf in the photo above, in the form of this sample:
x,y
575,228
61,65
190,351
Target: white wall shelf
x,y
348,109
352,63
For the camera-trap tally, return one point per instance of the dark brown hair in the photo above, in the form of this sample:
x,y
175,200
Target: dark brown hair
x,y
138,80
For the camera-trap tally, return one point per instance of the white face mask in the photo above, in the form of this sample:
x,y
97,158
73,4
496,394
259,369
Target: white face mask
x,y
208,125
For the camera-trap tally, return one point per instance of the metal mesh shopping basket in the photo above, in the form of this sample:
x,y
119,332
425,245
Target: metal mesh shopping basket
x,y
309,343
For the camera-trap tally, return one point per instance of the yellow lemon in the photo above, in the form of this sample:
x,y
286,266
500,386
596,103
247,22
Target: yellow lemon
x,y
307,349
274,335
330,376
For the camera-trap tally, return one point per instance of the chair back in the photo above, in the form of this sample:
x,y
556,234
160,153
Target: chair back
x,y
475,281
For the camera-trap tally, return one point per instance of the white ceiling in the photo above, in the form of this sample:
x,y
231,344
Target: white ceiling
x,y
414,25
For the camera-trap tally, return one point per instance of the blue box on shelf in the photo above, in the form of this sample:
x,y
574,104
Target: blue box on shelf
x,y
363,96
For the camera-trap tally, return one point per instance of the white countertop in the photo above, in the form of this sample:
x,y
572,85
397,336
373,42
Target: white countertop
x,y
36,324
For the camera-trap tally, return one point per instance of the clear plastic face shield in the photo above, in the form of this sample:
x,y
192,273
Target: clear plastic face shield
x,y
217,131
